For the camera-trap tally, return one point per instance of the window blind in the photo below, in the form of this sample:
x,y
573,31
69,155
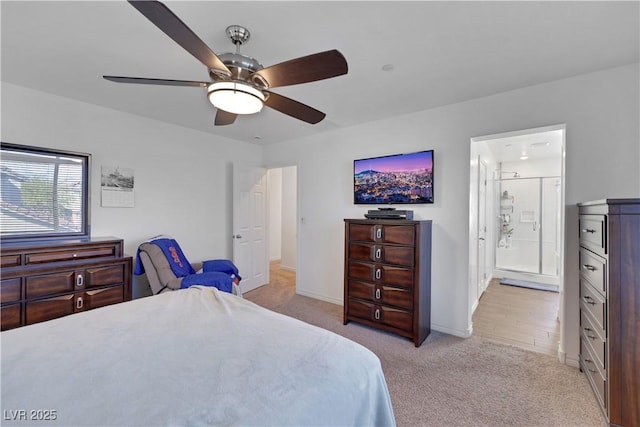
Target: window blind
x,y
42,193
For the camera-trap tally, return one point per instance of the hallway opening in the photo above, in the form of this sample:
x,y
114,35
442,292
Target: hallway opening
x,y
282,222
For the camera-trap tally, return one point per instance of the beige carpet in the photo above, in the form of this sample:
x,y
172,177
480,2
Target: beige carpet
x,y
451,381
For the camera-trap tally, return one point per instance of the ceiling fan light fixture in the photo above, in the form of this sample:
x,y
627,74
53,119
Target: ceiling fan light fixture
x,y
235,97
240,84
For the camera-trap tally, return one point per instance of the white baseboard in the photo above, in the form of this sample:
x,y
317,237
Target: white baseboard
x,y
574,362
320,297
454,332
282,266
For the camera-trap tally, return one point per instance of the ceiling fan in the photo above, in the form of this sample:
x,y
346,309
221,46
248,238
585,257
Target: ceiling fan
x,y
240,84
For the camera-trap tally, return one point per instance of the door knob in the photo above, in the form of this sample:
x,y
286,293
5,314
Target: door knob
x,y
237,236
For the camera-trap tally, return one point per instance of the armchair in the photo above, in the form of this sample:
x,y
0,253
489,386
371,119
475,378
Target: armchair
x,y
151,259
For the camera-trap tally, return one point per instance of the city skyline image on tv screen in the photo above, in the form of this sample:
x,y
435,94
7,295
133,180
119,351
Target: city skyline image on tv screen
x,y
395,179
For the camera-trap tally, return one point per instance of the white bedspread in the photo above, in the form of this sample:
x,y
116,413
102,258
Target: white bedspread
x,y
191,357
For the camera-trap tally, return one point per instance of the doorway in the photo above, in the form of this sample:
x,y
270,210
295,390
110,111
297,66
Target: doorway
x,y
516,229
282,223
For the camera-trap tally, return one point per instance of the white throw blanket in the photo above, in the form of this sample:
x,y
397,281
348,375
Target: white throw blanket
x,y
195,356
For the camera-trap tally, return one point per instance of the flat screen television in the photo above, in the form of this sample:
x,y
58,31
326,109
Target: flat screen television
x,y
395,179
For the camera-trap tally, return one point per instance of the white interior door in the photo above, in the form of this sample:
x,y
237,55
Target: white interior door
x,y
249,225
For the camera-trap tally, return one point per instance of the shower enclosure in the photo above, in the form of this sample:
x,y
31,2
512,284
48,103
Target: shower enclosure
x,y
528,228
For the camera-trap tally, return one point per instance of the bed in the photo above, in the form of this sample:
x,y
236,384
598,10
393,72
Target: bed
x,y
195,356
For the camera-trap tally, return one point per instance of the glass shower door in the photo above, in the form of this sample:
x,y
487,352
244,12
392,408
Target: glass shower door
x,y
519,225
551,230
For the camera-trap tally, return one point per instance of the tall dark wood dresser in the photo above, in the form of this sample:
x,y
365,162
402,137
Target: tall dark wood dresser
x,y
48,279
387,276
610,306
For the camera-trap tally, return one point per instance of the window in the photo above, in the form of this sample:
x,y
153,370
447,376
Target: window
x,y
44,193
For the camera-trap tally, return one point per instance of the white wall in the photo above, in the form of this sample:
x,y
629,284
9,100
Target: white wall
x,y
289,260
282,195
534,168
183,178
600,111
274,195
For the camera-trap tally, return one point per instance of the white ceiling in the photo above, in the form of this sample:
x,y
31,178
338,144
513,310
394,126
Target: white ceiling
x,y
442,53
539,145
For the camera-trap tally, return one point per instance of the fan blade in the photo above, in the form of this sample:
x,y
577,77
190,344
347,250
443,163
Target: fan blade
x,y
293,108
164,82
305,69
224,118
171,25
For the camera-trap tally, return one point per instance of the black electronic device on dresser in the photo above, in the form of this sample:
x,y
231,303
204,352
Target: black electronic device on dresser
x,y
389,213
387,275
610,306
43,280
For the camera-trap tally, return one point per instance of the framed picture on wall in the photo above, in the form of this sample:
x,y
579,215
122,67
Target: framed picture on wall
x,y
117,187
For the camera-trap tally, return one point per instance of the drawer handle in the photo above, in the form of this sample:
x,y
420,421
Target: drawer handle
x,y
378,254
588,300
378,274
79,303
587,330
589,267
588,230
79,280
377,314
379,233
593,371
378,293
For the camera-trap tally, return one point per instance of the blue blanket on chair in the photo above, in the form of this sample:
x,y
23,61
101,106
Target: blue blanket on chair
x,y
172,251
216,279
223,266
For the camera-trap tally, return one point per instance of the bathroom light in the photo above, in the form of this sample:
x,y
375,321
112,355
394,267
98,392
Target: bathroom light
x,y
235,97
524,157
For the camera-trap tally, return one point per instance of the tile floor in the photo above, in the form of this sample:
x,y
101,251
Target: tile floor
x,y
521,317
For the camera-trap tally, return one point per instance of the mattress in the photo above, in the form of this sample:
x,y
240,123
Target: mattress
x,y
196,356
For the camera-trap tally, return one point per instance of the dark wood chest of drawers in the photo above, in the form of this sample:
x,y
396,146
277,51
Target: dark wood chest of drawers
x,y
387,276
610,306
45,280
